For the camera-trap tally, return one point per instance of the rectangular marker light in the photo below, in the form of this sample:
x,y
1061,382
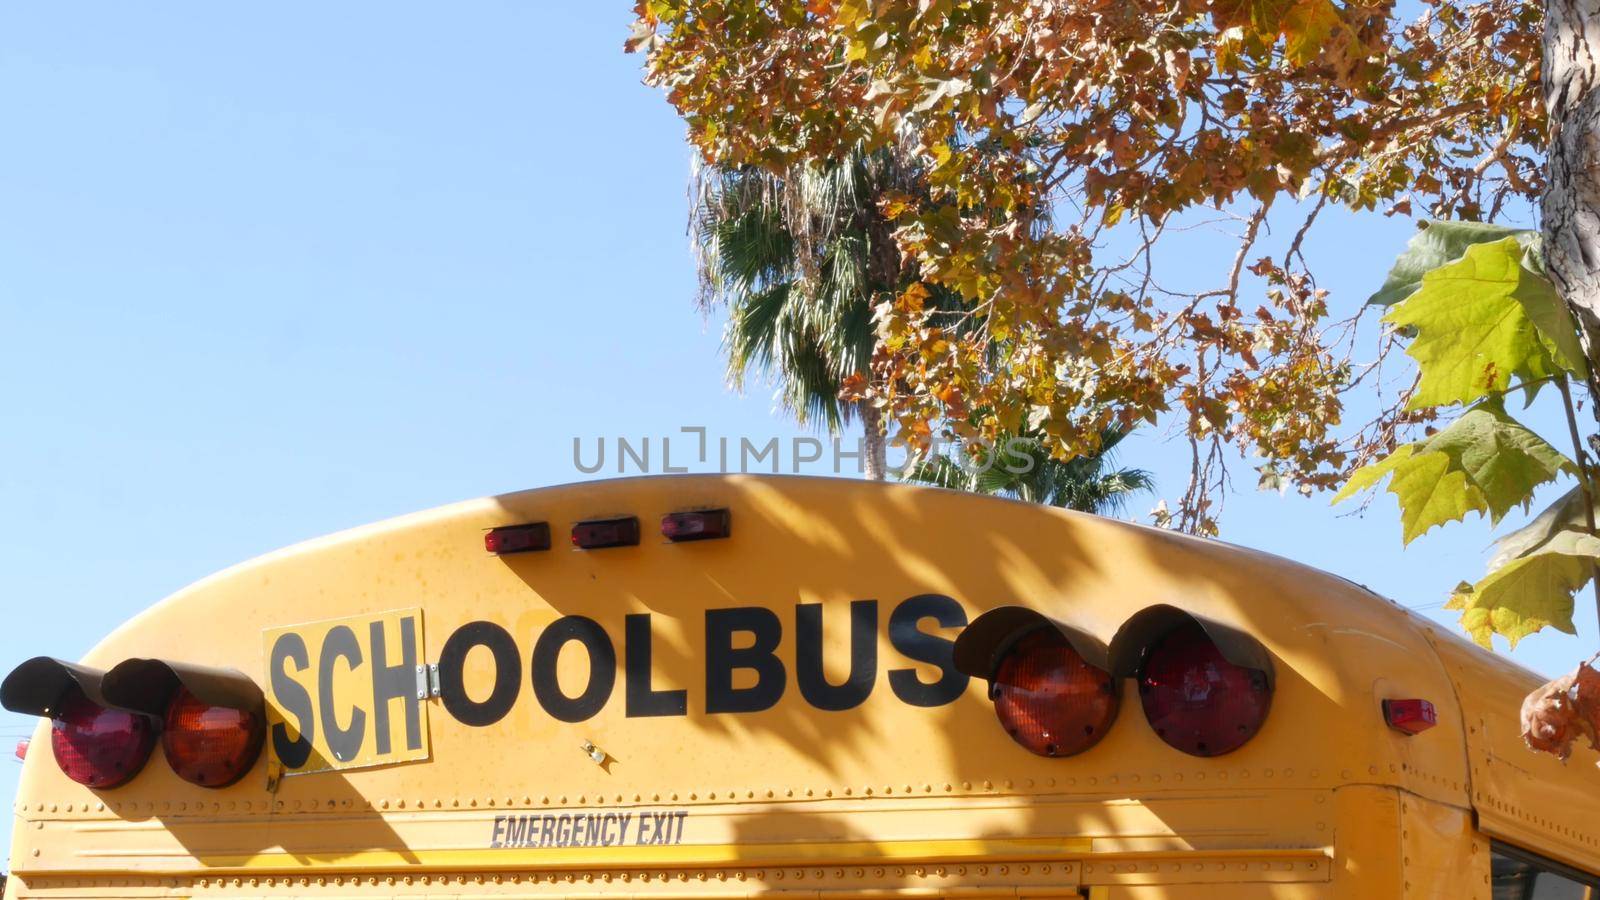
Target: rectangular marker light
x,y
518,538
593,534
698,525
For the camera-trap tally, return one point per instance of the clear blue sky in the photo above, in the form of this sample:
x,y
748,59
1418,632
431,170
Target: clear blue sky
x,y
271,272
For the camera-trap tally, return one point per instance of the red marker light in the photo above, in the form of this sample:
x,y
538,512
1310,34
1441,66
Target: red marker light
x,y
596,533
518,538
22,748
698,525
100,747
1409,716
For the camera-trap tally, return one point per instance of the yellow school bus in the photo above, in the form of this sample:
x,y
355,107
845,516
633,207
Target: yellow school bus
x,y
718,686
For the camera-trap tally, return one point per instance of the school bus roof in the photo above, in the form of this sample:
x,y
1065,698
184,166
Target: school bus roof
x,y
679,685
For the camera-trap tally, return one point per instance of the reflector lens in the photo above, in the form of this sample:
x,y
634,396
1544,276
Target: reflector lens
x,y
212,746
22,748
597,533
1197,701
1410,716
1049,699
100,747
696,526
518,538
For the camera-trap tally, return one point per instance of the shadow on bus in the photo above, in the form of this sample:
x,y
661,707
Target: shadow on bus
x,y
305,812
920,730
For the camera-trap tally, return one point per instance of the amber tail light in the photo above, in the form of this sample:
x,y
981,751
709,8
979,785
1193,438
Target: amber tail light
x,y
212,746
1049,699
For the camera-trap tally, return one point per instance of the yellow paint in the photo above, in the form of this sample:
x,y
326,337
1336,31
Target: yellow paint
x,y
1324,802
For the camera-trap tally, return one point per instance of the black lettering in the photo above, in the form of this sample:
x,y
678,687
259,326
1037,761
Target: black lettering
x,y
602,668
923,647
547,830
398,682
507,674
564,831
677,837
761,657
642,698
293,698
622,830
499,827
344,742
808,668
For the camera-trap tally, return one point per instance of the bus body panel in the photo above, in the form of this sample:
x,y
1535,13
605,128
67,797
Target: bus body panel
x,y
747,771
1526,798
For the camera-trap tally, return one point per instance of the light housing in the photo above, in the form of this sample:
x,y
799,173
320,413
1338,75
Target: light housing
x,y
518,538
594,534
1049,699
212,746
215,718
1052,688
98,746
696,525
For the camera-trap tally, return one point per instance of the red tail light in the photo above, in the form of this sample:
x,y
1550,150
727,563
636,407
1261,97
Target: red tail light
x,y
1196,700
22,748
212,746
100,747
1049,699
597,533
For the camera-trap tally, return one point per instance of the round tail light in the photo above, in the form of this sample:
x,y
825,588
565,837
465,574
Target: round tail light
x,y
100,747
1197,701
212,746
1049,699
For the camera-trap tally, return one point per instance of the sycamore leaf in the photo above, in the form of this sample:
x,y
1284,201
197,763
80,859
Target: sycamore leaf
x,y
1561,711
1435,244
1501,458
1429,493
1306,26
1565,514
1484,462
1527,594
1474,333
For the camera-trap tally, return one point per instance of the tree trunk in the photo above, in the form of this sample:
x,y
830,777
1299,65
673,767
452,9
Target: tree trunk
x,y
1570,211
876,463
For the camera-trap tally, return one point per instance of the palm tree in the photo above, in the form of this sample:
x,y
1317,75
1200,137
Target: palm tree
x,y
1024,470
796,261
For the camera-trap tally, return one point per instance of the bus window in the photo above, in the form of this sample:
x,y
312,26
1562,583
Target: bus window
x,y
1519,875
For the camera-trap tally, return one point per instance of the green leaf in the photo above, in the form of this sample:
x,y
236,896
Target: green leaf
x,y
1474,331
1565,514
1483,462
1501,458
1527,594
1434,245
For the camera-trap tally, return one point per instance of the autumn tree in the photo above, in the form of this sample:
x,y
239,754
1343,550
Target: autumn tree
x,y
1115,122
1063,146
